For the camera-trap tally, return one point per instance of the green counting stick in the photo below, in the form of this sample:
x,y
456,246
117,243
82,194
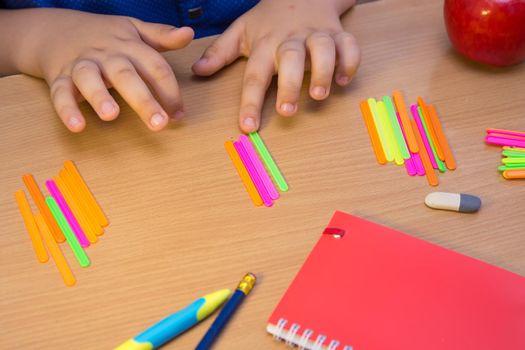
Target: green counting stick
x,y
268,161
512,166
439,162
516,154
397,129
80,254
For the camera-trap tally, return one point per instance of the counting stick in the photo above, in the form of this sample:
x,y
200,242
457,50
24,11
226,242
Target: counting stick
x,y
54,251
243,174
32,229
71,239
42,207
449,158
372,132
405,121
439,162
253,174
76,209
514,174
432,133
423,134
77,197
86,193
429,171
259,167
396,126
268,160
71,220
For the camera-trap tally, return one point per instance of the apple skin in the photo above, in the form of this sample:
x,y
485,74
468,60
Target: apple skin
x,y
487,31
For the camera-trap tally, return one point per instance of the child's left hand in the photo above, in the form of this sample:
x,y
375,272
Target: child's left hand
x,y
285,37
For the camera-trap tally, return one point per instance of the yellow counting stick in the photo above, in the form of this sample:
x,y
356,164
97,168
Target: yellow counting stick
x,y
86,193
80,215
389,131
380,126
68,181
30,223
243,174
55,252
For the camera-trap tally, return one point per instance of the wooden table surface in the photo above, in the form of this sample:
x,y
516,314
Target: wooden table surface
x,y
182,224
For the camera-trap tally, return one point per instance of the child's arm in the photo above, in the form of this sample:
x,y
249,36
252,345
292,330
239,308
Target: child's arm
x,y
285,37
81,55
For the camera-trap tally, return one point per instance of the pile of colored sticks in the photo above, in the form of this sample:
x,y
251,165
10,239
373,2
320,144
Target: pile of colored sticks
x,y
419,143
251,170
513,152
70,214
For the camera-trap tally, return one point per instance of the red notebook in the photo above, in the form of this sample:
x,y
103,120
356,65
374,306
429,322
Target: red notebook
x,y
375,288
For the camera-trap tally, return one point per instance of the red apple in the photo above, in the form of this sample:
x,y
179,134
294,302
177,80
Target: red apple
x,y
487,31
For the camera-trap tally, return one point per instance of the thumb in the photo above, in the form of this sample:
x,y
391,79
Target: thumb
x,y
163,37
223,51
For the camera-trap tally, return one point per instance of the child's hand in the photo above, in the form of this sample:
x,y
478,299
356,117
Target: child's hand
x,y
81,55
285,37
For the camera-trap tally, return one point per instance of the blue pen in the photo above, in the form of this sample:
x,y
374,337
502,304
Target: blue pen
x,y
173,325
227,311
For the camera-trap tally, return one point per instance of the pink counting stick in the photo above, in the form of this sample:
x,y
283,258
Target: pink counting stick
x,y
259,167
505,142
53,189
409,163
423,134
253,173
420,169
411,168
506,132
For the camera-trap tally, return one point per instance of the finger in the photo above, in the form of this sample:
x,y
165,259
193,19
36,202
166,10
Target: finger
x,y
154,69
322,56
63,97
291,55
223,51
257,77
163,37
125,79
87,78
349,57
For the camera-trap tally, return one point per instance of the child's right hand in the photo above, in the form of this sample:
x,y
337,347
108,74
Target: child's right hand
x,y
81,55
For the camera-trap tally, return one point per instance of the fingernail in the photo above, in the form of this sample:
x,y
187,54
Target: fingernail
x,y
288,107
343,80
249,123
108,108
74,122
319,91
156,120
203,60
178,115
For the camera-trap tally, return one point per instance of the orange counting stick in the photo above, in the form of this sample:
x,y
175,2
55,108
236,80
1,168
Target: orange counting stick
x,y
430,126
86,193
42,206
69,183
514,174
243,174
372,132
429,171
30,223
405,121
76,209
449,158
55,252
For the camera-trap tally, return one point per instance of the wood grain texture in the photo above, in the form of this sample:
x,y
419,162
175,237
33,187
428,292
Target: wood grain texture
x,y
181,222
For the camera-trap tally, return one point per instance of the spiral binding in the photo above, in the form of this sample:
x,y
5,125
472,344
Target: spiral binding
x,y
289,337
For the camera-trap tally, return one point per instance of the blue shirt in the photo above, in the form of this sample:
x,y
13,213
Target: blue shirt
x,y
206,17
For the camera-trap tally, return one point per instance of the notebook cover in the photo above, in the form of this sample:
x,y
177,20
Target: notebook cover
x,y
376,288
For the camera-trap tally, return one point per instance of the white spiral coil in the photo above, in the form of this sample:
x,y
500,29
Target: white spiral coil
x,y
293,337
